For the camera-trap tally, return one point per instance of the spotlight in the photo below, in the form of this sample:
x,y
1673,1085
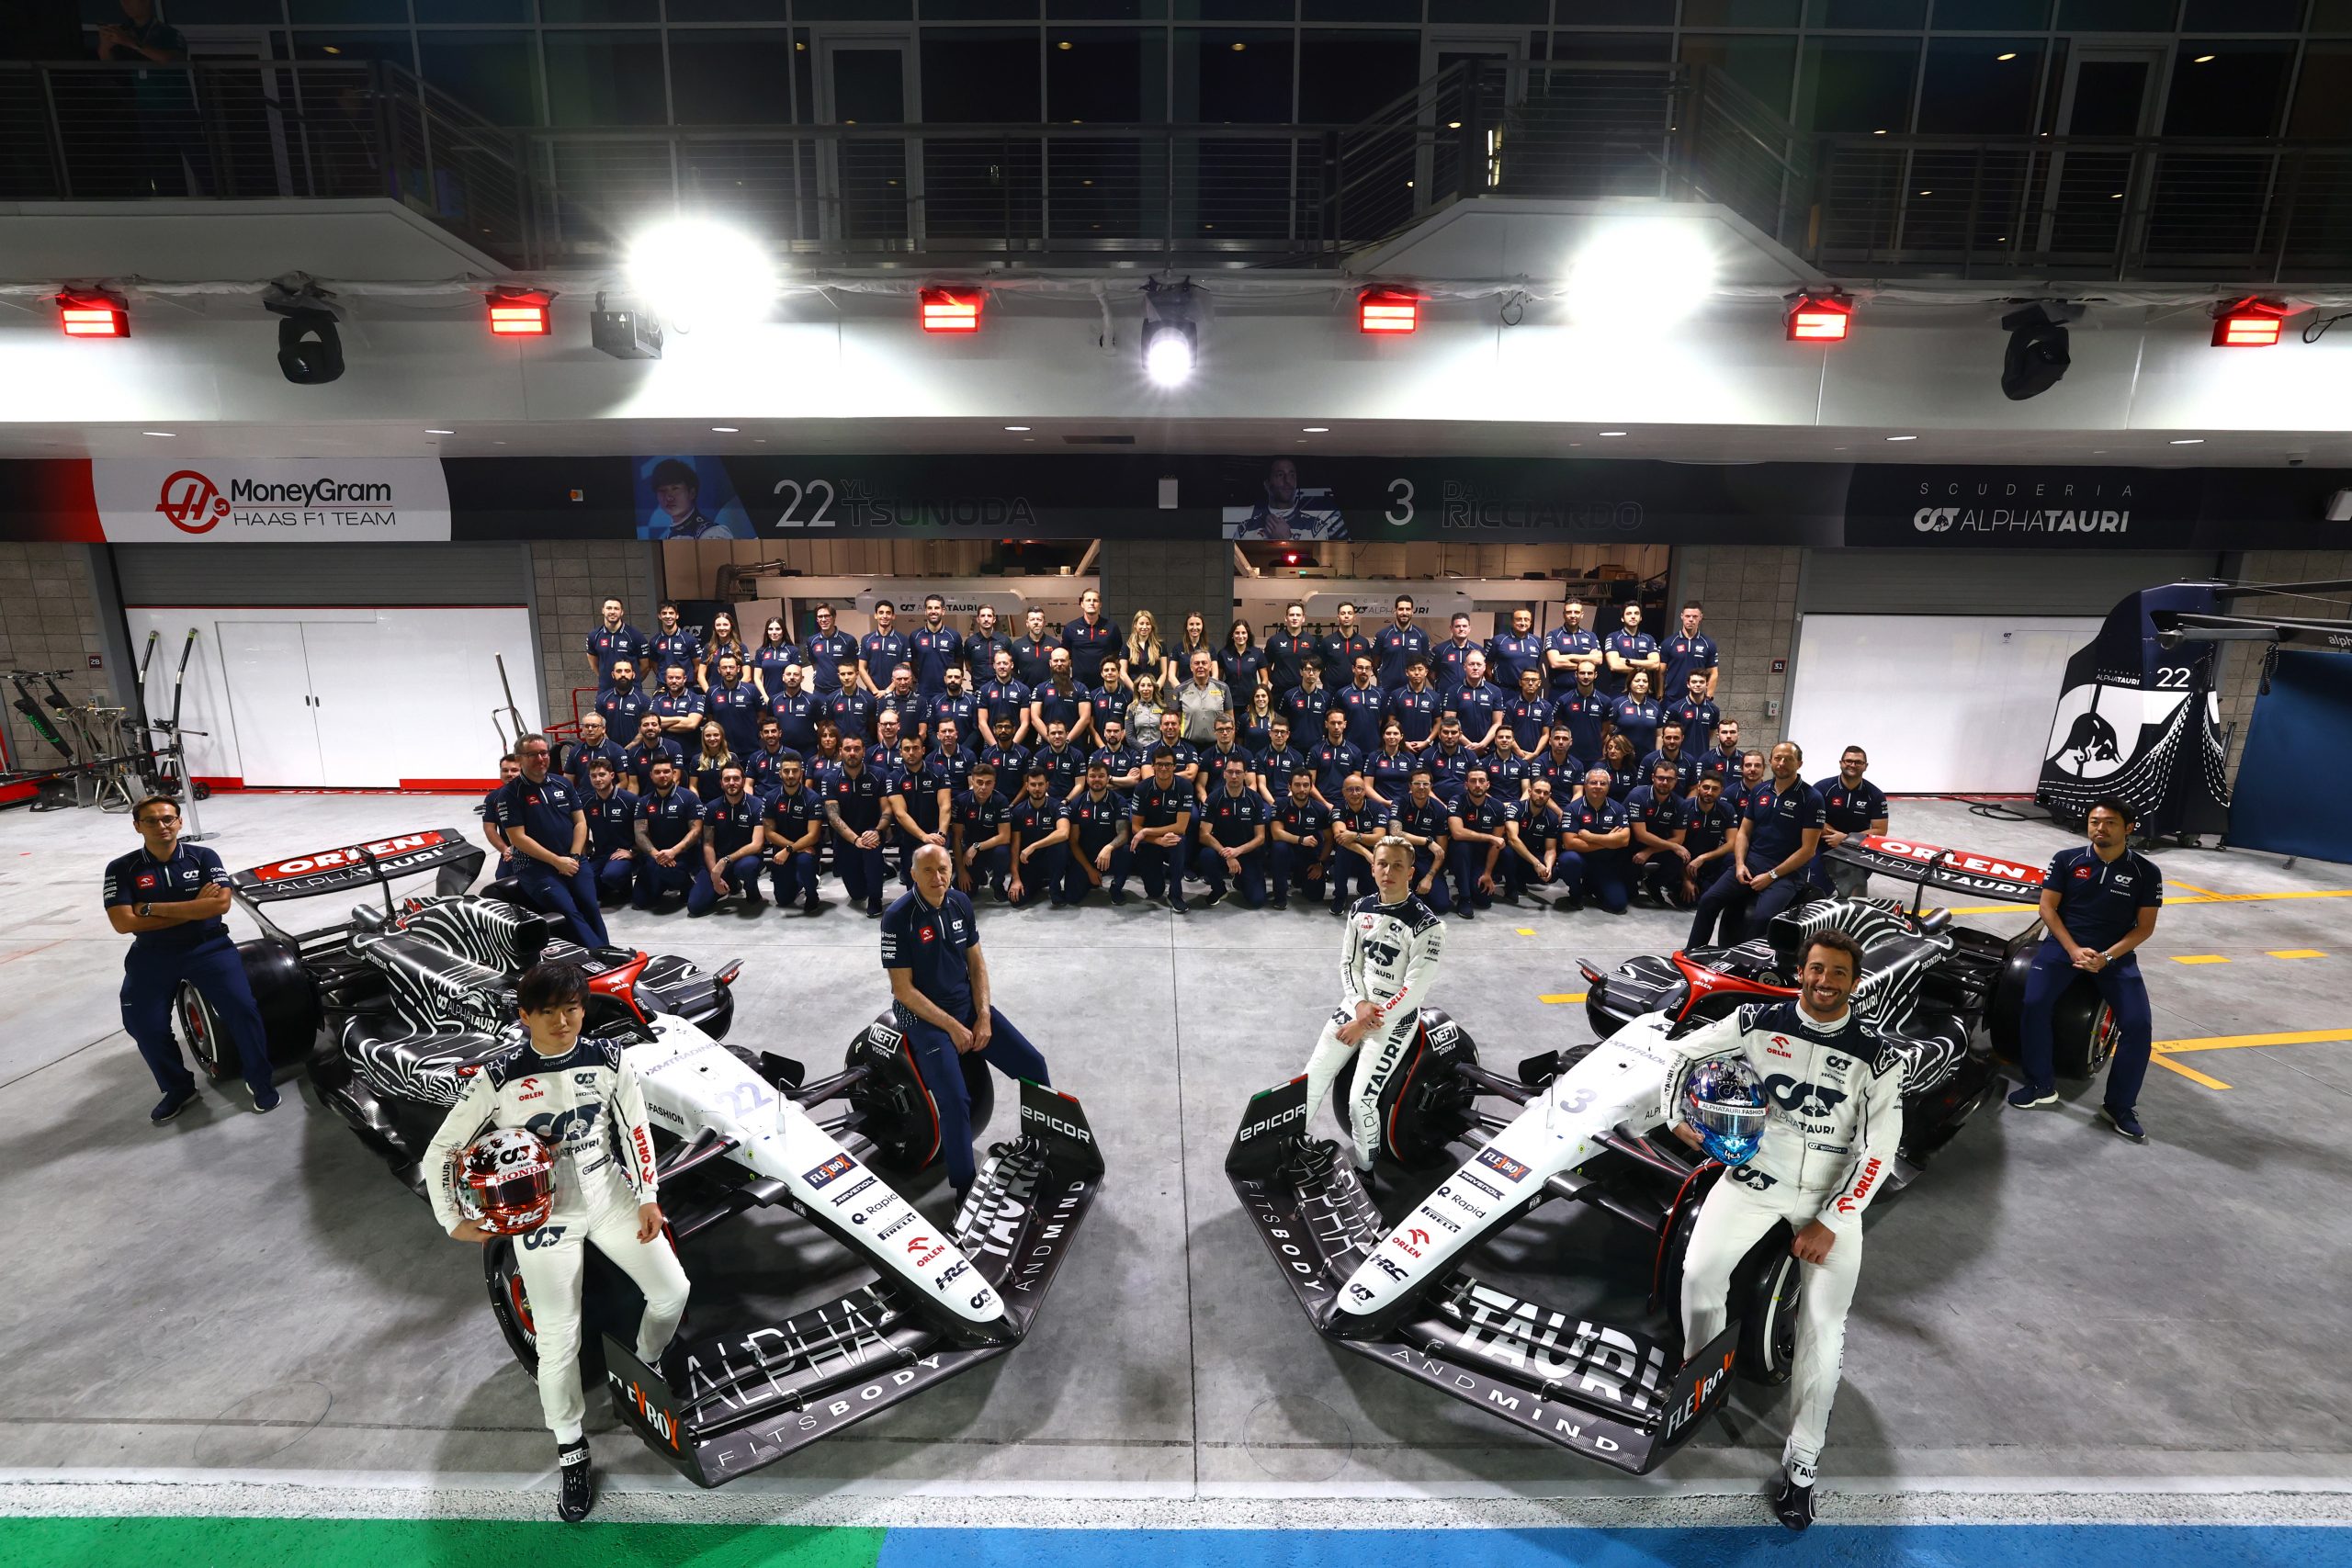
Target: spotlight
x,y
624,334
1387,311
1171,338
2252,322
1641,275
520,312
310,348
951,309
1820,316
2037,356
92,312
689,270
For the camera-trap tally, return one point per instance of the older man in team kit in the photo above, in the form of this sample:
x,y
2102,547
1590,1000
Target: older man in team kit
x,y
546,823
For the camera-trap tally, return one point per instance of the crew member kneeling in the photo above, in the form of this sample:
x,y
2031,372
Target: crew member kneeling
x,y
1828,1144
939,990
547,823
1387,962
582,1099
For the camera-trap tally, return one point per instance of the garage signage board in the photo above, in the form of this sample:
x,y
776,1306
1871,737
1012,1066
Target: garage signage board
x,y
240,500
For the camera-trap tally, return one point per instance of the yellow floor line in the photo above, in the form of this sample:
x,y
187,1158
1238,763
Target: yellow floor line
x,y
2191,1074
1526,930
1563,996
2194,898
2240,1042
2297,952
2199,958
2192,888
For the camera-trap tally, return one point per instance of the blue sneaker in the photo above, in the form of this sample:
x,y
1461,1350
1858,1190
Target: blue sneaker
x,y
172,1104
2026,1097
2124,1121
265,1100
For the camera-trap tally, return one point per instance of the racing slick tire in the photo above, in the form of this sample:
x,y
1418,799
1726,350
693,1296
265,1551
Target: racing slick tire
x,y
509,1303
609,1302
2082,1031
1423,1107
897,1114
283,990
1766,1287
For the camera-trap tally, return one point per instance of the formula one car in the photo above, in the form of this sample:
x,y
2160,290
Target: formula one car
x,y
1921,974
397,1006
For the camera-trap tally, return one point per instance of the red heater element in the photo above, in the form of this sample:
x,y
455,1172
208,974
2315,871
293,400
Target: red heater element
x,y
93,315
2249,323
1387,311
951,309
520,312
1820,317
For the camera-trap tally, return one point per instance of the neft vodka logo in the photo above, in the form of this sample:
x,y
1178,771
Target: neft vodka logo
x,y
2015,507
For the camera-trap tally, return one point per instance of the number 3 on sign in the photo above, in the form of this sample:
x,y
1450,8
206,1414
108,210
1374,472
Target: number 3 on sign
x,y
1400,514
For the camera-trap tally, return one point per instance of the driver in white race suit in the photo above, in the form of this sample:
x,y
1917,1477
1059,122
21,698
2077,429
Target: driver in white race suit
x,y
582,1099
1828,1146
1387,964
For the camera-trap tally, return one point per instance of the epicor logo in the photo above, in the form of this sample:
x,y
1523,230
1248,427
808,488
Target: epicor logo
x,y
192,502
1935,519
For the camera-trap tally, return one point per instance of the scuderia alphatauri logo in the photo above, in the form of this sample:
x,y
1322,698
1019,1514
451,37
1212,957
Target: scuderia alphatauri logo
x,y
2014,507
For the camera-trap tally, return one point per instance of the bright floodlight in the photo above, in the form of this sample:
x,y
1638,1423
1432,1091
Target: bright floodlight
x,y
1640,274
691,269
1168,358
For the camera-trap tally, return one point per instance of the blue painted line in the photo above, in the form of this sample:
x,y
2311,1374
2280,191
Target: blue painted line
x,y
1871,1546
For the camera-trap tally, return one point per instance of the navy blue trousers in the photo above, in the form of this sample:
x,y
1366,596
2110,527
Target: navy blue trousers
x,y
151,976
742,876
656,881
2120,984
1209,867
866,874
1294,865
795,877
613,876
570,899
940,1063
1743,912
1598,877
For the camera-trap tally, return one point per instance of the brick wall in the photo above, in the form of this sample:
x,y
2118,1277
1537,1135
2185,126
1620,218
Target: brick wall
x,y
2239,679
49,620
569,581
1750,596
1170,578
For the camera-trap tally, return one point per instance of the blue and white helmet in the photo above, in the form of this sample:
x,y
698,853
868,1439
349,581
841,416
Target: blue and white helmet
x,y
1725,1105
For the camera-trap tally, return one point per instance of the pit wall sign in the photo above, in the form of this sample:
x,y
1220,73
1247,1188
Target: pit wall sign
x,y
241,501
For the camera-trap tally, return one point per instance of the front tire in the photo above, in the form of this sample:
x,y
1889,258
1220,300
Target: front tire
x,y
2083,1032
1423,1107
201,1034
899,1118
1768,1291
510,1303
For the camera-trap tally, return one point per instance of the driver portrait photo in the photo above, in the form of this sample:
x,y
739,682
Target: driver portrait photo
x,y
679,498
1284,511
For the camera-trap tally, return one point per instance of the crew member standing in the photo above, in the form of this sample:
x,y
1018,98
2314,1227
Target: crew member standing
x,y
939,991
2099,901
168,897
545,821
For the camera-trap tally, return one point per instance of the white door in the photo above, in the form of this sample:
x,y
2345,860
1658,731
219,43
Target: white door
x,y
355,729
268,677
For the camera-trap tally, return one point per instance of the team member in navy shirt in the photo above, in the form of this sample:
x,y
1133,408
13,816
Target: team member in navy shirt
x,y
1448,660
1425,822
1630,648
1695,712
734,702
613,641
1687,653
1123,765
774,655
652,745
624,702
1334,761
1240,664
854,806
1654,812
1674,754
795,824
669,821
1724,760
1415,706
1040,823
732,837
935,649
1708,822
595,740
850,706
1033,651
1279,762
1775,841
1163,820
678,705
1098,825
796,712
674,644
1397,643
1533,860
1233,832
1570,650
1306,703
1638,714
1288,650
1300,829
2099,901
508,768
1513,653
547,824
1528,714
1091,639
1388,771
1002,705
1582,712
1850,804
169,898
901,698
1477,703
1558,765
828,649
1593,853
939,992
1345,646
612,831
982,838
951,704
881,651
1357,825
1480,828
1061,700
1450,760
1362,704
764,769
983,646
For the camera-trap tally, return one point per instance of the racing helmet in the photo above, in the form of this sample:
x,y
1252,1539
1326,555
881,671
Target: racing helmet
x,y
506,1181
1726,1106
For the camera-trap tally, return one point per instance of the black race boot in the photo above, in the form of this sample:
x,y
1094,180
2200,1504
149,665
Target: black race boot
x,y
1792,1504
577,1489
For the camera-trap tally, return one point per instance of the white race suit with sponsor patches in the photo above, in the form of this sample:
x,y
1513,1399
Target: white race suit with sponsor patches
x,y
587,1106
1389,959
1829,1147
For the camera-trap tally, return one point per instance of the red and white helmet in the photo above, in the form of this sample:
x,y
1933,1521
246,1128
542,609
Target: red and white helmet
x,y
506,1181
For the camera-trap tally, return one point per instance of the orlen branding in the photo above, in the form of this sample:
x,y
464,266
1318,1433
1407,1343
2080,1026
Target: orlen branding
x,y
343,859
232,498
1955,860
1853,1199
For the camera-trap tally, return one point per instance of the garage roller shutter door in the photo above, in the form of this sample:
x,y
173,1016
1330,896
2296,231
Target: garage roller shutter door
x,y
356,574
1960,582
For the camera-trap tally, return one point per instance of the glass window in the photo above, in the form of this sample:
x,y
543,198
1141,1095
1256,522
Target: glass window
x,y
495,74
391,46
975,10
2243,16
1857,84
1613,46
722,10
605,78
979,74
2323,94
1617,13
197,13
1740,13
1361,10
1344,77
1533,12
2227,89
725,76
1228,77
1991,16
1881,15
2116,16
1765,66
1106,75
301,11
1233,10
600,10
851,10
1980,87
1102,10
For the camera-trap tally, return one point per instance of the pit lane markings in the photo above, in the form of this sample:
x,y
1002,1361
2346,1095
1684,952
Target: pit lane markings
x,y
1563,996
2193,898
2166,1049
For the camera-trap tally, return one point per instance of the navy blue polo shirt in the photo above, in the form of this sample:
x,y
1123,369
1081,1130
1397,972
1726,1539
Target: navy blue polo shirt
x,y
1639,720
1567,644
1394,647
1505,775
979,816
1339,656
1849,810
909,706
1449,771
1527,719
1389,771
1110,702
1305,709
1065,769
1158,807
623,709
760,770
825,651
1777,819
1567,773
1032,659
1446,661
1285,656
2101,900
1583,816
1685,766
931,941
933,652
1239,670
1036,819
738,710
669,817
1369,817
1629,647
1583,716
961,710
1488,816
1232,818
769,659
1364,706
727,825
1060,703
1427,820
543,810
612,821
1089,646
796,714
1332,762
716,651
687,703
1698,721
950,770
1662,814
1724,765
1275,765
638,761
1478,707
140,878
1686,656
791,814
1309,818
1010,762
1004,702
980,656
624,641
882,652
1540,830
1213,758
583,754
1183,751
1623,777
1508,654
915,787
680,648
859,796
1704,830
1096,822
851,713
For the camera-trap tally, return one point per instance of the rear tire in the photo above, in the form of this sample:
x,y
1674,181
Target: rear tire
x,y
1423,1107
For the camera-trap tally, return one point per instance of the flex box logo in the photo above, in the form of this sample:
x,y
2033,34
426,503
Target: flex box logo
x,y
244,499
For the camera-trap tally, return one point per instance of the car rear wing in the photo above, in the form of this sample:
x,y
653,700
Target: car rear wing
x,y
453,859
1953,871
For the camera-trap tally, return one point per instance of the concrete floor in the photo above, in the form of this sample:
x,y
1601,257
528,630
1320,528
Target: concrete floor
x,y
248,1297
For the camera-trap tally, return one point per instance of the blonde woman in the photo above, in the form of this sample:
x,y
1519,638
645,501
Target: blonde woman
x,y
704,766
1145,656
1143,713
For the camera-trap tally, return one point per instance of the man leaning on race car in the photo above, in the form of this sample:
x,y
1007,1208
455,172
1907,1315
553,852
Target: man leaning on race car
x,y
1387,961
546,823
1834,1121
579,1098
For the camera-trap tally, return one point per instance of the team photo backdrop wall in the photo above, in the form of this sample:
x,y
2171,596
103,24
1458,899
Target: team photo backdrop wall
x,y
2141,723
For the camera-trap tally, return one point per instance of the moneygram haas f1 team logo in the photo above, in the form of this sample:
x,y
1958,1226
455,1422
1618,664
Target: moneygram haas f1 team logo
x,y
191,502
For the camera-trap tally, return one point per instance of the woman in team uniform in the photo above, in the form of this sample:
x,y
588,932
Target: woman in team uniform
x,y
1388,771
704,767
1254,724
769,658
724,639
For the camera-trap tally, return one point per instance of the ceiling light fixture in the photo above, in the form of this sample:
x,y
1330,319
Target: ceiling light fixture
x,y
1824,315
951,309
93,312
1387,311
2251,323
